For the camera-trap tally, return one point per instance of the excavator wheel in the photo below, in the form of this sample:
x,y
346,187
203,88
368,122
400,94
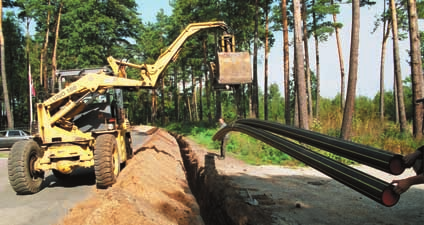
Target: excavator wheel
x,y
106,160
23,177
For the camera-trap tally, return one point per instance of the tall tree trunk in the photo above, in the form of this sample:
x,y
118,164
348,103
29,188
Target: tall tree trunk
x,y
286,64
397,69
395,94
194,97
416,65
386,32
353,72
201,97
207,80
154,107
9,113
31,87
296,96
54,63
307,64
266,63
218,106
243,99
43,58
185,100
162,102
317,65
215,94
190,113
176,95
341,62
237,92
296,110
299,67
255,100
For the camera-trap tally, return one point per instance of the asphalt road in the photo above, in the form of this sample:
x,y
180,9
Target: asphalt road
x,y
53,201
49,205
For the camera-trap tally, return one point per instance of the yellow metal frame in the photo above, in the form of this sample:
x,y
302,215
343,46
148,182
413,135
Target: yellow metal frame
x,y
67,153
63,140
150,73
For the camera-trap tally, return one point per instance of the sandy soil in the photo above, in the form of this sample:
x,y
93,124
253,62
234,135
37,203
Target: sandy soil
x,y
153,189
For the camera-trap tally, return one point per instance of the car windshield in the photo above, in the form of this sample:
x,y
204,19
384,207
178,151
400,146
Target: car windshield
x,y
14,133
2,133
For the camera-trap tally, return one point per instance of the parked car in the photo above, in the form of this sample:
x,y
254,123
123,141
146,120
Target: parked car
x,y
9,137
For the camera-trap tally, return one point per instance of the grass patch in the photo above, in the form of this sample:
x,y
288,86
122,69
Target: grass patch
x,y
240,146
4,155
371,132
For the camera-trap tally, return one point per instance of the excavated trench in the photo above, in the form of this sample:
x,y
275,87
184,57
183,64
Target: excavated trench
x,y
170,180
219,201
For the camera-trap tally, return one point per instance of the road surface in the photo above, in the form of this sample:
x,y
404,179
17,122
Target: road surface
x,y
52,203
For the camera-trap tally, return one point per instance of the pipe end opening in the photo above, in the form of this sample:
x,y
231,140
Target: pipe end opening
x,y
396,165
390,197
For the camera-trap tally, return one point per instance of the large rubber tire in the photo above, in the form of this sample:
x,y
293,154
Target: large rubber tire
x,y
22,176
106,160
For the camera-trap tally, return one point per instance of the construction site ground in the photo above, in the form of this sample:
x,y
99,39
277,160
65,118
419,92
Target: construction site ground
x,y
172,180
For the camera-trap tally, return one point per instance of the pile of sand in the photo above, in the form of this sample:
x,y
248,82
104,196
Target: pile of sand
x,y
151,189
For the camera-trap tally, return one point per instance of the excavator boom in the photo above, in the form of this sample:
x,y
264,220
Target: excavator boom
x,y
150,73
61,105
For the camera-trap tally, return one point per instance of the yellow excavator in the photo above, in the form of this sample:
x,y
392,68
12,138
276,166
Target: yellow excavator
x,y
84,124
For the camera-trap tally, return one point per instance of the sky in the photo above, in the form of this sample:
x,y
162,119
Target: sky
x,y
368,83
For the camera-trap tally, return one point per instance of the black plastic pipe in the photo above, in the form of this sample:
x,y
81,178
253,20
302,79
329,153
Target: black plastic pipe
x,y
373,157
372,187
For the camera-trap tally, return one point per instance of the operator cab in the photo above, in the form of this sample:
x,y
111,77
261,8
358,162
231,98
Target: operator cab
x,y
98,111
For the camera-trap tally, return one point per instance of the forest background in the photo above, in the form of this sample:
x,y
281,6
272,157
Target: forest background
x,y
71,34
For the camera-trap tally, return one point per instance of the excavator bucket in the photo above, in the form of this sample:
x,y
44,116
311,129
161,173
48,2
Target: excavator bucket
x,y
234,68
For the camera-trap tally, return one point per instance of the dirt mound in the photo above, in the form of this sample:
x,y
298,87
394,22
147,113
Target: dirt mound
x,y
152,189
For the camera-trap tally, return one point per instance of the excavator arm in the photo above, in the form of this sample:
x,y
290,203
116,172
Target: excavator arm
x,y
72,96
59,109
150,73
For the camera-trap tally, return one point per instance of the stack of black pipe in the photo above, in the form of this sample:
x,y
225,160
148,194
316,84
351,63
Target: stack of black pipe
x,y
276,135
